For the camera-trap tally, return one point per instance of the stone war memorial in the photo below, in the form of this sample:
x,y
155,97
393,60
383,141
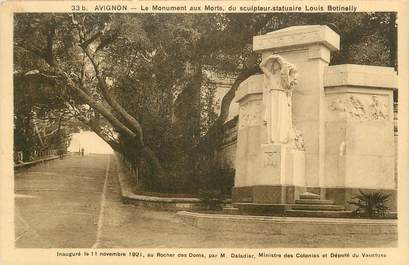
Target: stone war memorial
x,y
310,136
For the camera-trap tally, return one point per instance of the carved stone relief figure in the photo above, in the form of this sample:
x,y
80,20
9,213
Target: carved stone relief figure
x,y
279,80
378,110
249,115
298,140
357,109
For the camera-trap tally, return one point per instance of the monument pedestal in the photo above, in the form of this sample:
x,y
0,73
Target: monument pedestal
x,y
282,164
280,178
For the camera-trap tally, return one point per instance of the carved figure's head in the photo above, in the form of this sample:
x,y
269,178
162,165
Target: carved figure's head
x,y
276,66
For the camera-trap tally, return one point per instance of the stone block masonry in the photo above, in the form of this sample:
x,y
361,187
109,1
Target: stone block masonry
x,y
290,225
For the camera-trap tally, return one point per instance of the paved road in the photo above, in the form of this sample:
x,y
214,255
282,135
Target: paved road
x,y
59,205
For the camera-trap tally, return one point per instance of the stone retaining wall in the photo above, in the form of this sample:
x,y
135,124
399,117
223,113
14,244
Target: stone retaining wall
x,y
288,225
151,202
32,163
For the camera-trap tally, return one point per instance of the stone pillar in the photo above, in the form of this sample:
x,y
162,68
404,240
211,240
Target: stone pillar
x,y
308,48
360,149
277,173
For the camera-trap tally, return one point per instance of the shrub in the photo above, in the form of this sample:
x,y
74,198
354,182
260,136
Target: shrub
x,y
214,184
211,198
371,204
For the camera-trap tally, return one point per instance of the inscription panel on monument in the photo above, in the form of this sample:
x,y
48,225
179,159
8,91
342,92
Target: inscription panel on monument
x,y
271,159
271,165
283,39
290,38
271,155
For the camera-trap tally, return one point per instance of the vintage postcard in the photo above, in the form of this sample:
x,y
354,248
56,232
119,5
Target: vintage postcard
x,y
208,132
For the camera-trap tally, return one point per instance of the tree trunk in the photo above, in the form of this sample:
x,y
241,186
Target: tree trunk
x,y
118,125
132,123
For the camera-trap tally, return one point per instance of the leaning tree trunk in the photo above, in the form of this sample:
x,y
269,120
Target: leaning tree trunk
x,y
118,125
130,122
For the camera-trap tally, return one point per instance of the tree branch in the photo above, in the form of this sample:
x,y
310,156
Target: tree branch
x,y
98,131
94,104
86,43
50,133
229,96
36,52
50,41
129,120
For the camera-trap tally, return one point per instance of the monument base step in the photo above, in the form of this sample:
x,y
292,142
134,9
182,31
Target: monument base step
x,y
261,209
321,214
313,201
309,196
297,210
317,207
231,210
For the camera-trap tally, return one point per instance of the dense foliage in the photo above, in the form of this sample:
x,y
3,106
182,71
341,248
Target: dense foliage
x,y
41,122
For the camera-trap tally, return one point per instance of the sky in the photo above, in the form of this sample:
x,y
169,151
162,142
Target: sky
x,y
90,142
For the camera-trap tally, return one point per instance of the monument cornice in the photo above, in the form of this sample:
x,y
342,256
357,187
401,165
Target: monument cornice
x,y
251,86
353,75
297,36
